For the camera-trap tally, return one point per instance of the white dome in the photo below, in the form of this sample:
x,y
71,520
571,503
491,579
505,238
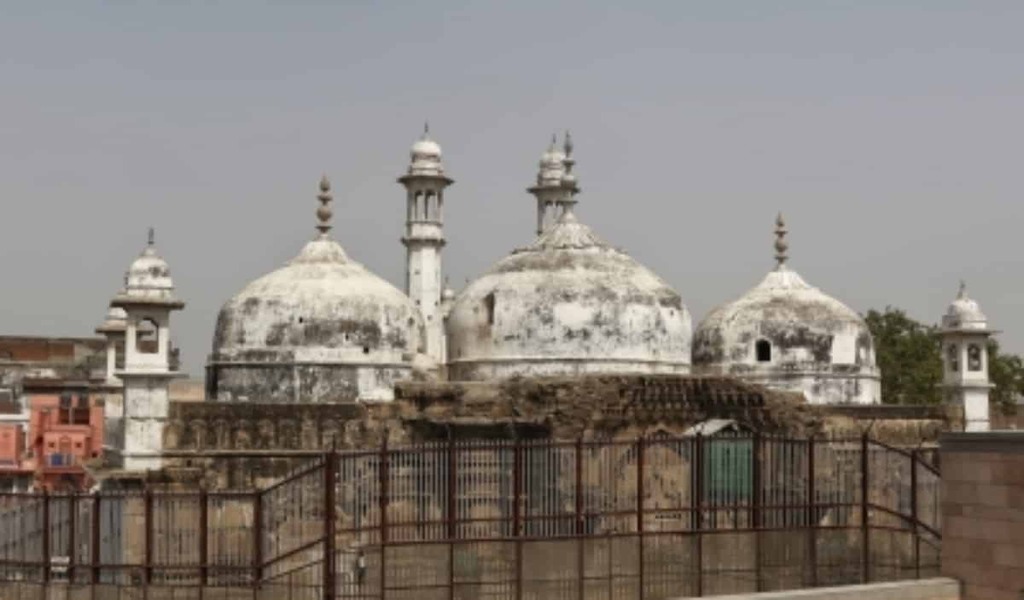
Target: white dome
x,y
148,281
964,313
791,335
323,310
425,157
567,304
115,322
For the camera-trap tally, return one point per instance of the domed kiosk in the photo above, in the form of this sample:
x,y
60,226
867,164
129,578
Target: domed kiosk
x,y
567,304
789,335
320,329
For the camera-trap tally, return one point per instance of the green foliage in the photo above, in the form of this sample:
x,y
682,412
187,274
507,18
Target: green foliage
x,y
1006,371
907,352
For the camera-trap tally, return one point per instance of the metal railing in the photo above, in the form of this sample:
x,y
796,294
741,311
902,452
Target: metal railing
x,y
649,518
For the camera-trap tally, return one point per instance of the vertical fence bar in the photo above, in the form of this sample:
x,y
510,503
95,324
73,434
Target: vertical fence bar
x,y
452,507
812,516
640,450
516,515
382,473
578,529
698,507
865,532
46,537
204,549
330,518
94,544
757,477
257,538
147,518
913,513
72,525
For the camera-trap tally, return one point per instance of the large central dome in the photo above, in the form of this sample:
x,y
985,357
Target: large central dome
x,y
567,304
321,328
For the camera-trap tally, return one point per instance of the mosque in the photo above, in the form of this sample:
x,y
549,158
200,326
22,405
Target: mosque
x,y
324,329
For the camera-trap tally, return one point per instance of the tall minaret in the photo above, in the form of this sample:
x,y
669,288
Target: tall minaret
x,y
965,334
425,183
113,329
548,189
147,299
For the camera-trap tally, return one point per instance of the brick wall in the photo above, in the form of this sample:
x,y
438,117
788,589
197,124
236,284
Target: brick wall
x,y
983,513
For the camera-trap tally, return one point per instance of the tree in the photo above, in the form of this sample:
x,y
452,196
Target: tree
x,y
907,353
1006,371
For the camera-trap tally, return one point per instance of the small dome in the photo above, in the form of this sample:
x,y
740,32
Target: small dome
x,y
448,294
425,156
567,304
148,280
115,321
552,166
964,313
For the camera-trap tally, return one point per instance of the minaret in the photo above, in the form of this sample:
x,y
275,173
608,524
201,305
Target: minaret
x,y
147,299
548,189
113,329
965,334
425,183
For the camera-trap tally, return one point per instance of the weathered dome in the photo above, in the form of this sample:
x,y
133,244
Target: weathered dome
x,y
567,304
148,280
964,313
115,322
321,328
425,156
788,334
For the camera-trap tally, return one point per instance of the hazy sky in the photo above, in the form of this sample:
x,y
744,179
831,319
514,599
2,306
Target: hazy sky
x,y
888,132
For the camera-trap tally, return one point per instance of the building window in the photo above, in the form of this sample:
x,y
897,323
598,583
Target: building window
x,y
974,357
489,304
952,355
763,348
147,337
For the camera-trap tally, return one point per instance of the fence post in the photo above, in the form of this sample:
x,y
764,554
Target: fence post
x,y
698,507
865,532
758,482
147,506
382,473
578,529
330,518
204,532
641,567
913,513
72,525
257,539
94,549
46,537
452,507
812,515
517,492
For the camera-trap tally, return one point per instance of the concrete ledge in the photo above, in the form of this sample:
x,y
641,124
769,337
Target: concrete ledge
x,y
940,588
1003,442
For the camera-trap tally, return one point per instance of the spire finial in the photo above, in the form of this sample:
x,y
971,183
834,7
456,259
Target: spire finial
x,y
426,129
152,236
323,214
962,293
554,142
780,241
568,178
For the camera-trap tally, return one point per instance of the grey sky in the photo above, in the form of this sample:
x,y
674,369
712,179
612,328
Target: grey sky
x,y
888,132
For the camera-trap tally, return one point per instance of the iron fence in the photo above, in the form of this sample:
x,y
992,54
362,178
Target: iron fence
x,y
650,518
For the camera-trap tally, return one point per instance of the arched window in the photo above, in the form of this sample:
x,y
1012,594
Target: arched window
x,y
147,337
974,357
763,349
953,356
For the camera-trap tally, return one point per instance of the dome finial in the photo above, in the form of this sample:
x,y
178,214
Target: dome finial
x,y
568,178
780,241
323,214
962,292
426,130
152,236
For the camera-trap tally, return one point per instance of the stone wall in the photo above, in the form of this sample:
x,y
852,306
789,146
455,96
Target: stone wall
x,y
983,513
938,588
